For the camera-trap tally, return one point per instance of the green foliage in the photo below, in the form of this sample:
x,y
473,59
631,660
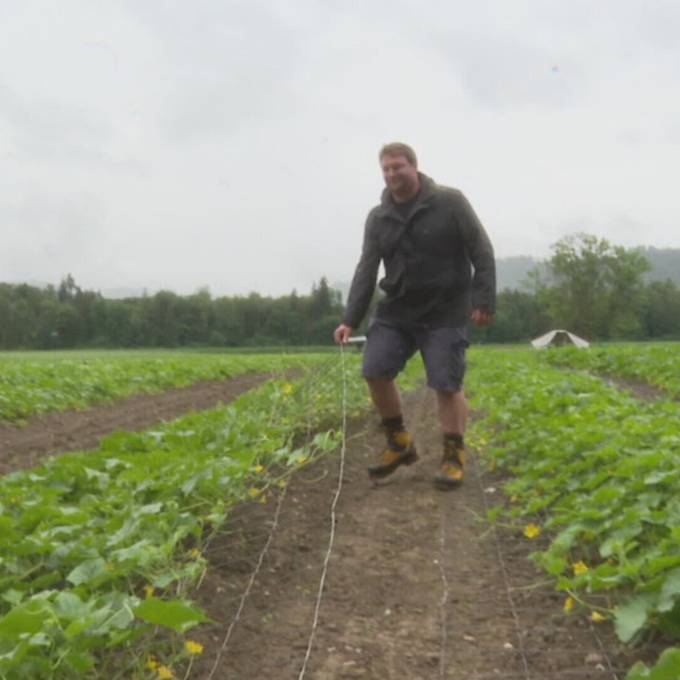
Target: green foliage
x,y
667,668
657,364
98,548
592,288
601,470
38,384
597,287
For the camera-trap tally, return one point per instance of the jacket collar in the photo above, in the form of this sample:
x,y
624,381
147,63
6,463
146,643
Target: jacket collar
x,y
425,195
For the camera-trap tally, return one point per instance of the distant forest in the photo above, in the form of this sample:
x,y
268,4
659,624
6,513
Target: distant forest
x,y
600,291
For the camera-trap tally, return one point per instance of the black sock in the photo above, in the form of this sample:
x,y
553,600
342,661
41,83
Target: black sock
x,y
454,437
395,424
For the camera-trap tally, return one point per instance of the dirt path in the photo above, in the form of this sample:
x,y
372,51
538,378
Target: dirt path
x,y
23,447
417,586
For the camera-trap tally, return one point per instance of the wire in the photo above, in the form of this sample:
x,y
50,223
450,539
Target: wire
x,y
445,595
331,538
246,593
504,570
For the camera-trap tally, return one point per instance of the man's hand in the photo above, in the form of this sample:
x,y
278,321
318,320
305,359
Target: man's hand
x,y
480,317
342,333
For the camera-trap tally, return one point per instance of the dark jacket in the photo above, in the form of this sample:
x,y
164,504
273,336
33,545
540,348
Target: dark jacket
x,y
428,256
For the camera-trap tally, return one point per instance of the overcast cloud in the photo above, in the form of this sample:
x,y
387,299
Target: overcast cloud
x,y
233,144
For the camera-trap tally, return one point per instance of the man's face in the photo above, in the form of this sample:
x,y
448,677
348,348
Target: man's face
x,y
401,178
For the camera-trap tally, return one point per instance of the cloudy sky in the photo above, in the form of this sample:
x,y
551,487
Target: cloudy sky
x,y
233,144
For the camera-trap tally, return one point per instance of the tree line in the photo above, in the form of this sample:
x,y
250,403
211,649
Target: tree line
x,y
67,316
588,286
592,288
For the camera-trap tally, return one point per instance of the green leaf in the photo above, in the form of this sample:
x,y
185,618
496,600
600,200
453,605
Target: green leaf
x,y
669,591
76,627
12,596
80,662
122,618
631,616
638,672
87,571
666,668
69,606
26,618
139,553
173,614
668,665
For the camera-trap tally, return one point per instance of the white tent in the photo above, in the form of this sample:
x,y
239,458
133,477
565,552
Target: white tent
x,y
557,338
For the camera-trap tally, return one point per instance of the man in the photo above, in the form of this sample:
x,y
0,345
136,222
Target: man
x,y
428,238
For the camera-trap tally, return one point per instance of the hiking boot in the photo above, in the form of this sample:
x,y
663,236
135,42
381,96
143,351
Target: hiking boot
x,y
451,471
400,451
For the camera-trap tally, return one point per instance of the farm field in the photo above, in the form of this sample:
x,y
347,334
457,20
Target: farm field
x,y
40,382
177,550
657,364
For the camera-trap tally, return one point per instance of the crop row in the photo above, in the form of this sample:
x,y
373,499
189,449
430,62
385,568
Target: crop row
x,y
30,386
601,470
97,548
657,363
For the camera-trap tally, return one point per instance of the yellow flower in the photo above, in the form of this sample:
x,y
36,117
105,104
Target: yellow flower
x,y
568,604
579,568
151,663
148,590
596,617
259,468
253,492
287,388
195,553
301,460
532,530
164,673
193,647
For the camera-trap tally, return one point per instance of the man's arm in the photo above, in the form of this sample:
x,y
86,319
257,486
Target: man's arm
x,y
480,251
365,275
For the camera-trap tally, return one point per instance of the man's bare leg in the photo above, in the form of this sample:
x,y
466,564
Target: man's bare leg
x,y
452,411
452,416
385,396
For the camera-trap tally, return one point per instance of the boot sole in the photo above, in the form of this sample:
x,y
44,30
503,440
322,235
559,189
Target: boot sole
x,y
445,483
380,473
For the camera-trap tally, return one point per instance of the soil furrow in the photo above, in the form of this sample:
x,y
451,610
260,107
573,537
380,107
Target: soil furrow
x,y
381,612
53,433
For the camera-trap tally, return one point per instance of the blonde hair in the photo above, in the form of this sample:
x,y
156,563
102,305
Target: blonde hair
x,y
399,149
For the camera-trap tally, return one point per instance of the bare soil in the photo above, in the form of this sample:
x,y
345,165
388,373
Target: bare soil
x,y
24,447
636,388
418,584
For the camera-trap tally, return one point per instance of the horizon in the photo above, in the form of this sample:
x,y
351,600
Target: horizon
x,y
340,286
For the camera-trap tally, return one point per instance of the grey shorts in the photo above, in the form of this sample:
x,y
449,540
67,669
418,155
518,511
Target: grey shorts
x,y
389,347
